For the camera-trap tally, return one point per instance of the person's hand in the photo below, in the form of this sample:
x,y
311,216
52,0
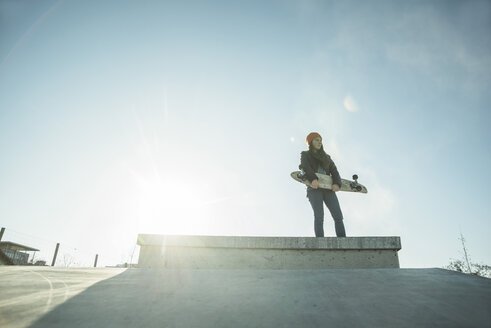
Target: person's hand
x,y
335,187
315,184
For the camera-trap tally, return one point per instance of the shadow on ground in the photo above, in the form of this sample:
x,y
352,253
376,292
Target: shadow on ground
x,y
284,298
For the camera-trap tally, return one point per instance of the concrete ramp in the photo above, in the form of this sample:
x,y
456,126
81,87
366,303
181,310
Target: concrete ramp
x,y
230,252
276,298
190,288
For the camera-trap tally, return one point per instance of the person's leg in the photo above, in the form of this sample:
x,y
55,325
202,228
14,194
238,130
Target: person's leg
x,y
315,199
332,204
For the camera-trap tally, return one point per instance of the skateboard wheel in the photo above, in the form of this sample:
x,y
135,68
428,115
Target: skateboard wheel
x,y
355,177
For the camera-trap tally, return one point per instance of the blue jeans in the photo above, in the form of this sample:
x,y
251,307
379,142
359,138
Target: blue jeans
x,y
316,198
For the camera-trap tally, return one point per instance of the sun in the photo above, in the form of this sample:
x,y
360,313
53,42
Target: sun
x,y
176,207
165,207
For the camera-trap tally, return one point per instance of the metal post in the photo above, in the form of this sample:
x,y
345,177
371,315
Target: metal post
x,y
1,233
95,262
56,253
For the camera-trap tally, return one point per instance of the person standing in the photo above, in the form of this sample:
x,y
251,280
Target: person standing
x,y
315,160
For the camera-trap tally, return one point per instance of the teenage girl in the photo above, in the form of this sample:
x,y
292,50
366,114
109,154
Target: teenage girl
x,y
315,160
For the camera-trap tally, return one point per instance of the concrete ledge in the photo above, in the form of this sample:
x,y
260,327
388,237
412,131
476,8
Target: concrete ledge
x,y
393,243
231,252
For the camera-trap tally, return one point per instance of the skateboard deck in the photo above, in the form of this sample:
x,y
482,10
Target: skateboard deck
x,y
325,182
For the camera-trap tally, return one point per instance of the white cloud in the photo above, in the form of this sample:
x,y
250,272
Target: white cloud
x,y
431,42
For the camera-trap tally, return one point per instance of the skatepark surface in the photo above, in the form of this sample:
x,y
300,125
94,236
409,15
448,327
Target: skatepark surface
x,y
109,297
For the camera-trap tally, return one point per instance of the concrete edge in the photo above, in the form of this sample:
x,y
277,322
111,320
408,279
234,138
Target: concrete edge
x,y
307,243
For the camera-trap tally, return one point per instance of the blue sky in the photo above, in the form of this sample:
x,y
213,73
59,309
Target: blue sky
x,y
119,118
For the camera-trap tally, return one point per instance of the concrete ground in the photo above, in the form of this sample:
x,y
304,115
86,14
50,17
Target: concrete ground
x,y
53,297
29,292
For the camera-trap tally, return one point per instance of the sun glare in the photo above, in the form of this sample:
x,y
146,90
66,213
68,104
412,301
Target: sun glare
x,y
166,207
350,104
169,206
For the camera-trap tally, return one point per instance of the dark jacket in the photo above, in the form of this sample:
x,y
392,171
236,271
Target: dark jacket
x,y
310,165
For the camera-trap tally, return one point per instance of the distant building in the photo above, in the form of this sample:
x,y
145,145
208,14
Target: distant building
x,y
124,265
14,254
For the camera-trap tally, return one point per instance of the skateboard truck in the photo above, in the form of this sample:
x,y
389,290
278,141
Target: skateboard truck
x,y
355,185
301,175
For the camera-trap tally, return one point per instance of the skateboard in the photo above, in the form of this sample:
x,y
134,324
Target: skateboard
x,y
325,182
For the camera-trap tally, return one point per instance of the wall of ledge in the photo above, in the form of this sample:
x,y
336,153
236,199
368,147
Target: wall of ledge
x,y
232,252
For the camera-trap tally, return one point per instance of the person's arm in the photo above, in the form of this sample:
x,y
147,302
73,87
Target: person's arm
x,y
333,170
306,166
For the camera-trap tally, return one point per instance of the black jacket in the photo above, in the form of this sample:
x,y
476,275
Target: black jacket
x,y
310,165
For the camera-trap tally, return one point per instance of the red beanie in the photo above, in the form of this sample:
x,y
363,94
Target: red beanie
x,y
311,137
